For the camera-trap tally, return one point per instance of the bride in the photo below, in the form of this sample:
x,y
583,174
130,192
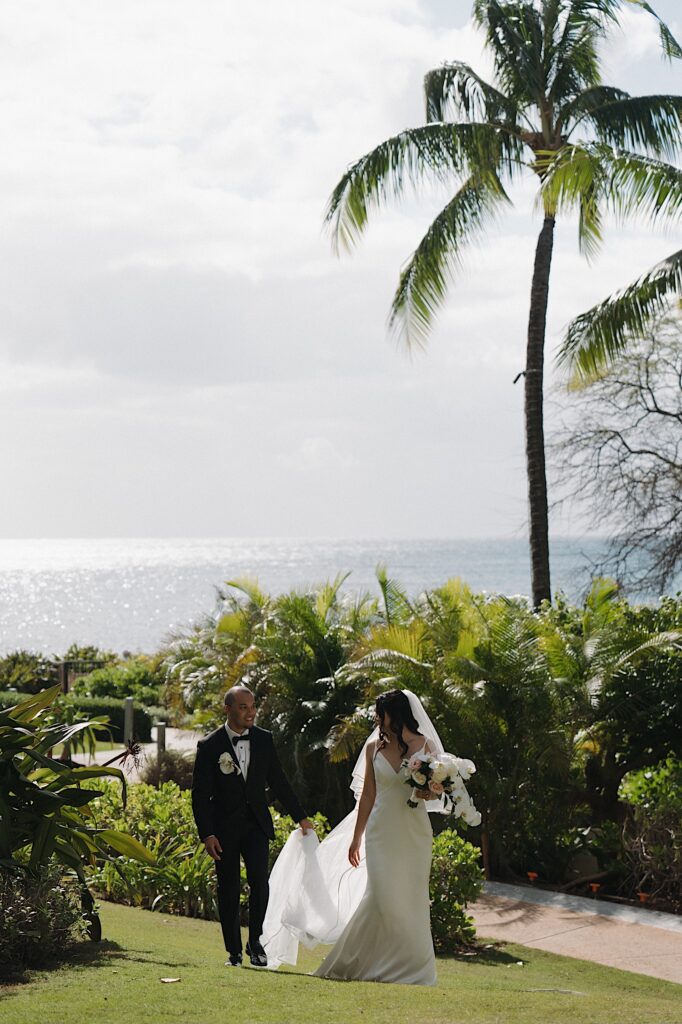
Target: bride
x,y
365,888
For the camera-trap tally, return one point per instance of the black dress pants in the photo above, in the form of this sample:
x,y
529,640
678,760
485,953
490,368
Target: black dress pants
x,y
249,841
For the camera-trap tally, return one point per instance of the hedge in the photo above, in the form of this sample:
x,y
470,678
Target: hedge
x,y
93,707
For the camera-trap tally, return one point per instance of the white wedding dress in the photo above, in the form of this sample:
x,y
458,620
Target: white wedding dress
x,y
376,915
388,938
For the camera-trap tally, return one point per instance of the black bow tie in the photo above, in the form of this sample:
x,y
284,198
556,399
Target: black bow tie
x,y
245,736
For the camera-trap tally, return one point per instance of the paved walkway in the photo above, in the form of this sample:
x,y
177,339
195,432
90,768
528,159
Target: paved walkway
x,y
631,938
176,739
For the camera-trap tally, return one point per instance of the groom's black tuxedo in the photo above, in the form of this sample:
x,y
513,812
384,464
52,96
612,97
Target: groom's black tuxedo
x,y
236,811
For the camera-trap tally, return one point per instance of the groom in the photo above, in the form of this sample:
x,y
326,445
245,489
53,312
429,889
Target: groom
x,y
232,768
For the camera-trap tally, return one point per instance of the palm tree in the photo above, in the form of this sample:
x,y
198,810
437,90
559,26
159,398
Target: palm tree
x,y
547,87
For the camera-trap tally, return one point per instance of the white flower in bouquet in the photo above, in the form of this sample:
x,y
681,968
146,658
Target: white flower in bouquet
x,y
439,771
419,778
226,764
472,816
465,768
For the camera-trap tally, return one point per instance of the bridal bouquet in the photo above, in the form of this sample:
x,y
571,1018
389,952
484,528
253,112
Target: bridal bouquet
x,y
442,775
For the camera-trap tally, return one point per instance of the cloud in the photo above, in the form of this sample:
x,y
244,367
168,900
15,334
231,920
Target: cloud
x,y
180,352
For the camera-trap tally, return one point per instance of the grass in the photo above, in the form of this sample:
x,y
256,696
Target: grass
x,y
99,745
118,982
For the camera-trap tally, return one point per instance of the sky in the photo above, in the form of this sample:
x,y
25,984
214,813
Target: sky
x,y
182,353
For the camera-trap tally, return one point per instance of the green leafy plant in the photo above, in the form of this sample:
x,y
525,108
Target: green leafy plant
x,y
40,916
456,880
44,806
652,833
182,879
138,678
26,672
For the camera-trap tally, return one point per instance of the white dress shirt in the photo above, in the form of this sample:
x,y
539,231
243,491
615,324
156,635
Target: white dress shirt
x,y
242,750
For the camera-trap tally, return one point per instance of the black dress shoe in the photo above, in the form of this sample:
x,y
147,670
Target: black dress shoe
x,y
256,955
234,960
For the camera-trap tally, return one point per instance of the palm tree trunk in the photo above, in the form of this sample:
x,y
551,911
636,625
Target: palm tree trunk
x,y
535,437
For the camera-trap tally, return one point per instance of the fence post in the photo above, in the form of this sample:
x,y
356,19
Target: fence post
x,y
128,721
160,738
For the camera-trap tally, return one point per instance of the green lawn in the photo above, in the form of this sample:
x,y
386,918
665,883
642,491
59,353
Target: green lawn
x,y
118,982
99,745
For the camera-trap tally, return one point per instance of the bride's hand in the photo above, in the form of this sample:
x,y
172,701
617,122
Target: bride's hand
x,y
354,853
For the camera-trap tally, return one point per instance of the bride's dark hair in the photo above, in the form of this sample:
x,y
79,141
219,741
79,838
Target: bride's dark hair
x,y
398,706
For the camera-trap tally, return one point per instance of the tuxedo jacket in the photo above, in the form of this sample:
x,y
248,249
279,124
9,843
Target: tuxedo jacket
x,y
220,801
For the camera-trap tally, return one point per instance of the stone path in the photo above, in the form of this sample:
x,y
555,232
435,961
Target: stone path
x,y
631,938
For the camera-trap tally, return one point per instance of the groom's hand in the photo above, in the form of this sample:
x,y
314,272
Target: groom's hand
x,y
306,826
213,847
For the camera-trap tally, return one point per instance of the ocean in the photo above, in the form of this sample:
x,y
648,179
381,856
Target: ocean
x,y
131,595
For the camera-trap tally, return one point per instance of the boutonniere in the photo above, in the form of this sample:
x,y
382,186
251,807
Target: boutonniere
x,y
226,764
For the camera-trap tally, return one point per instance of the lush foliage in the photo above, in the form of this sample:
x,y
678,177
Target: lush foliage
x,y
44,806
290,650
40,916
182,879
29,672
554,707
172,766
653,832
456,880
138,677
26,672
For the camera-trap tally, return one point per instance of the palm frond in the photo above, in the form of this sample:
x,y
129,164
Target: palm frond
x,y
397,606
345,739
573,58
514,33
326,596
433,152
628,184
650,123
575,107
671,47
424,280
455,91
248,586
665,641
596,337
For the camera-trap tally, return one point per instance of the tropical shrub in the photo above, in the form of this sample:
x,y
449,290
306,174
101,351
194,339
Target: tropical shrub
x,y
618,668
554,706
26,672
44,810
172,766
100,708
114,711
182,880
139,678
652,833
289,650
456,880
40,916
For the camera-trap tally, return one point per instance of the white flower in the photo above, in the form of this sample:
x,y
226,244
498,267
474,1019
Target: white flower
x,y
419,778
472,817
226,764
464,767
439,771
